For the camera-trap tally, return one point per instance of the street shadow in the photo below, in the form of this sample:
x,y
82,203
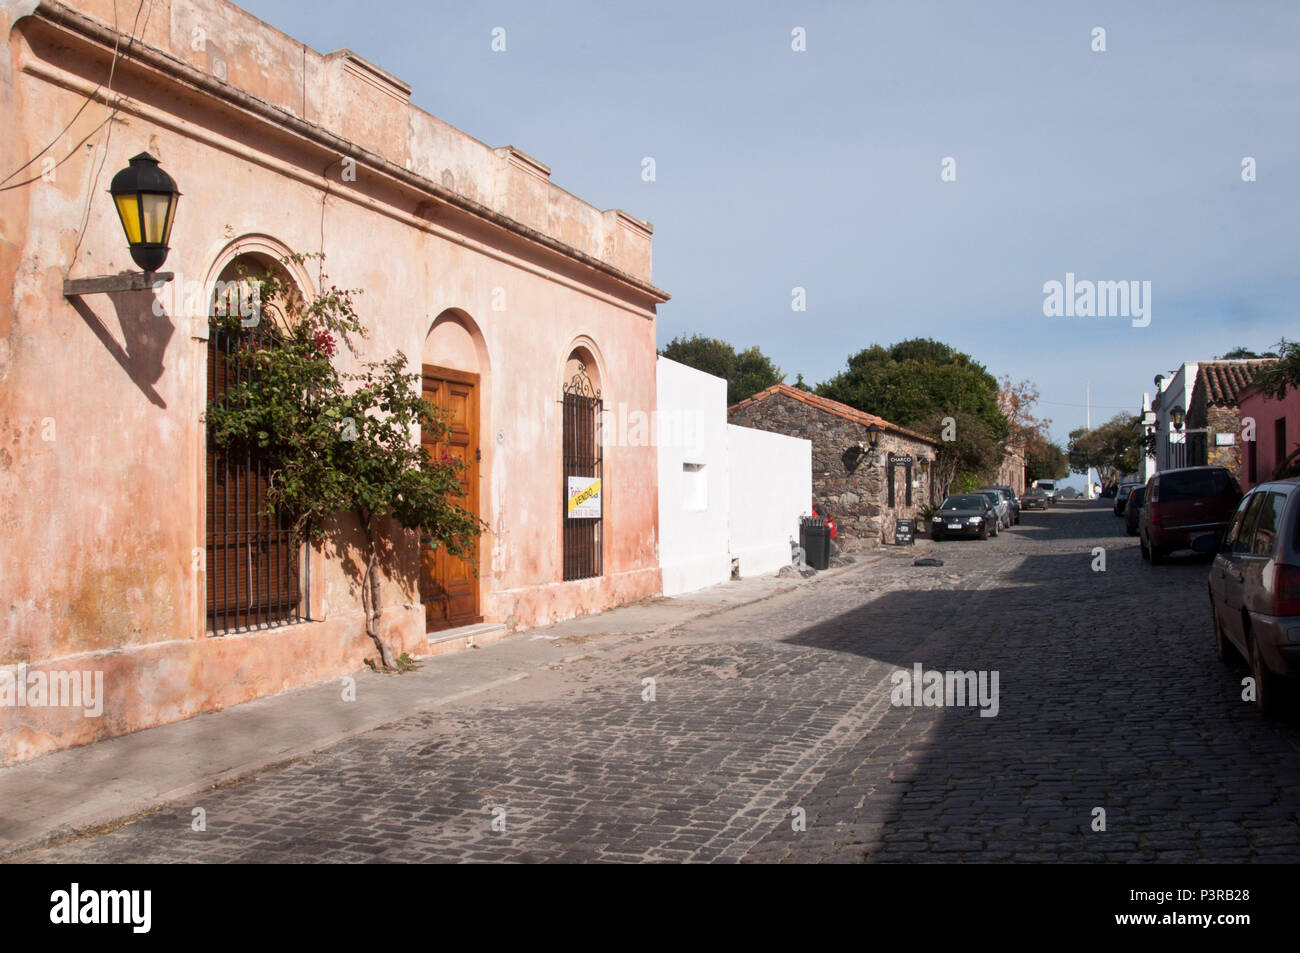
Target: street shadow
x,y
1104,701
1069,522
146,336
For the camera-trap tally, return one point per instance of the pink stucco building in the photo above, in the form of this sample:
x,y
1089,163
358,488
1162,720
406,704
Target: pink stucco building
x,y
504,289
1277,435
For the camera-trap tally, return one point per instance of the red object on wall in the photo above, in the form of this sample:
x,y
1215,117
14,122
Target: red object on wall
x,y
830,521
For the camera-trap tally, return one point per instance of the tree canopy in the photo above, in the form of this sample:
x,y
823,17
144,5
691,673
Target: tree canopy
x,y
1277,378
1045,460
1114,448
746,372
919,380
1243,354
1017,402
968,454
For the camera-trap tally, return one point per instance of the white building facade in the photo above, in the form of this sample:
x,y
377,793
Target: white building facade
x,y
730,497
1175,391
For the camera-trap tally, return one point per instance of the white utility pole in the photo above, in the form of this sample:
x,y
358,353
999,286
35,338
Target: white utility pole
x,y
1087,490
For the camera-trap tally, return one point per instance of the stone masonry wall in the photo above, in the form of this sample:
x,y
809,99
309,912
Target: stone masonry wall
x,y
855,490
1224,420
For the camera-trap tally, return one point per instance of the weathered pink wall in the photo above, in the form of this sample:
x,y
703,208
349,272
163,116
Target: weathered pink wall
x,y
1266,411
101,436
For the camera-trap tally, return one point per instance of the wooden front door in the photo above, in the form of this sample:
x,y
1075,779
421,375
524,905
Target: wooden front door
x,y
448,584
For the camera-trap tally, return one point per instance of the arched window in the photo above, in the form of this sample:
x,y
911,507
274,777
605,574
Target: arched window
x,y
583,470
255,574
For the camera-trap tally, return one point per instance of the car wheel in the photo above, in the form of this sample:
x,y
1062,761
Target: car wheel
x,y
984,531
1017,519
936,535
1146,553
1267,685
1157,555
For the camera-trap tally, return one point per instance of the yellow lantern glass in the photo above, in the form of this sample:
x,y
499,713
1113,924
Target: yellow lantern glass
x,y
145,197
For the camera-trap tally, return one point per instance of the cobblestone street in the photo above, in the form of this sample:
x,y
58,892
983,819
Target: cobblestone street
x,y
1110,696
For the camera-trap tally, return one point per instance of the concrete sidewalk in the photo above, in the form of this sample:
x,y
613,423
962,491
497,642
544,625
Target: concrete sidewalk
x,y
60,794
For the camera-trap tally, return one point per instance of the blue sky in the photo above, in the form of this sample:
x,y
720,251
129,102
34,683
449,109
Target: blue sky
x,y
821,169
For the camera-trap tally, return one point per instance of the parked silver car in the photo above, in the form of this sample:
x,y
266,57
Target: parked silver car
x,y
1009,496
1000,506
1255,588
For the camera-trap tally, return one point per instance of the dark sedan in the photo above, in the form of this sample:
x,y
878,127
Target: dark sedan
x,y
1033,499
969,514
1133,509
1121,497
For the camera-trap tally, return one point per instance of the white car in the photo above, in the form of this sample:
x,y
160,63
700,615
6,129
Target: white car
x,y
1048,487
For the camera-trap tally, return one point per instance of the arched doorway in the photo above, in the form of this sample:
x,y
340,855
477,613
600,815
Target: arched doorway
x,y
255,576
583,467
452,382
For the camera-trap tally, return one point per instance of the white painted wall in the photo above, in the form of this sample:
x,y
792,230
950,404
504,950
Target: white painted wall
x,y
771,487
725,492
1171,445
694,483
1148,465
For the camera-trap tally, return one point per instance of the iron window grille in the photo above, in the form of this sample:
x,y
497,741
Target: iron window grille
x,y
583,541
254,567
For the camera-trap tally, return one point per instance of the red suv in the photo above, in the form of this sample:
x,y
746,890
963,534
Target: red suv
x,y
1184,504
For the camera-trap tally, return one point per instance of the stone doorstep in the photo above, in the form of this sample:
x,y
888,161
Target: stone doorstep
x,y
443,641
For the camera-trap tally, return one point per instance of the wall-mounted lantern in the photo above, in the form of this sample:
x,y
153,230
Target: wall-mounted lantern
x,y
867,450
145,198
1177,415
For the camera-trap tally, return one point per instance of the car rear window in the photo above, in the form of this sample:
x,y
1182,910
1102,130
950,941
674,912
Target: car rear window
x,y
1295,522
1195,485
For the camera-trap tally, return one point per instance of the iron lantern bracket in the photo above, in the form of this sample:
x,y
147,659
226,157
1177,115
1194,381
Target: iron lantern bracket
x,y
123,281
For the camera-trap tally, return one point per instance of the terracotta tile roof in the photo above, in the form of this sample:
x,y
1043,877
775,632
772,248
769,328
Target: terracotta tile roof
x,y
1225,380
832,407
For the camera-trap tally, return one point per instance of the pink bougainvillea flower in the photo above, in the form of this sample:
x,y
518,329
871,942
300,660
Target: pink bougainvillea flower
x,y
324,342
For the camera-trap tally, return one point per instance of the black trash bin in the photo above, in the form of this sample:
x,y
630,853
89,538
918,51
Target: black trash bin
x,y
815,538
